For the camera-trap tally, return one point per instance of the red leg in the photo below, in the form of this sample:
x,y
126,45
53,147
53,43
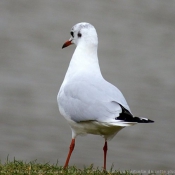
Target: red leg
x,y
105,148
70,152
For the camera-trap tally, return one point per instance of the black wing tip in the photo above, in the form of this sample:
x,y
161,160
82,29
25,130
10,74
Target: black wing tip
x,y
145,121
150,121
126,116
134,119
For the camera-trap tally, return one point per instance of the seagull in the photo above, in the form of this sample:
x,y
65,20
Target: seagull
x,y
89,103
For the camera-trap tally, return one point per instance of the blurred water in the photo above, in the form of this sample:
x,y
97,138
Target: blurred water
x,y
136,52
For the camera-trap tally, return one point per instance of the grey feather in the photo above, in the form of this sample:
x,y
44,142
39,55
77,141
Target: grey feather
x,y
96,100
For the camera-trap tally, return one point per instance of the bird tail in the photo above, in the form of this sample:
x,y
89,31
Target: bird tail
x,y
126,117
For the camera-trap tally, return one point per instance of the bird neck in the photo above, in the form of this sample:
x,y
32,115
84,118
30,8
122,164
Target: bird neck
x,y
84,59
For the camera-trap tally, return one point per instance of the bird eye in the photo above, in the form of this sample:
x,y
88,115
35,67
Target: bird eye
x,y
72,34
79,34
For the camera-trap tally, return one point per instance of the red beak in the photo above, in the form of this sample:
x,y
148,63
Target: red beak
x,y
67,43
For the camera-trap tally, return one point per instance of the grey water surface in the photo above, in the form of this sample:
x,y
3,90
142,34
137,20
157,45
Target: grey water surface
x,y
136,53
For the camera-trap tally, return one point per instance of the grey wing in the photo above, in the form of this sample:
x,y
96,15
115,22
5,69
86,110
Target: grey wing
x,y
92,100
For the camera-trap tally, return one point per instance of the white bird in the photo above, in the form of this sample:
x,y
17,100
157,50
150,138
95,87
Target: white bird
x,y
89,103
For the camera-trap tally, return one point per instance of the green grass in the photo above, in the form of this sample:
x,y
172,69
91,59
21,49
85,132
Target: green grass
x,y
16,167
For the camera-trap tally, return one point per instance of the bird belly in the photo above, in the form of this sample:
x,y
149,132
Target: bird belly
x,y
107,130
